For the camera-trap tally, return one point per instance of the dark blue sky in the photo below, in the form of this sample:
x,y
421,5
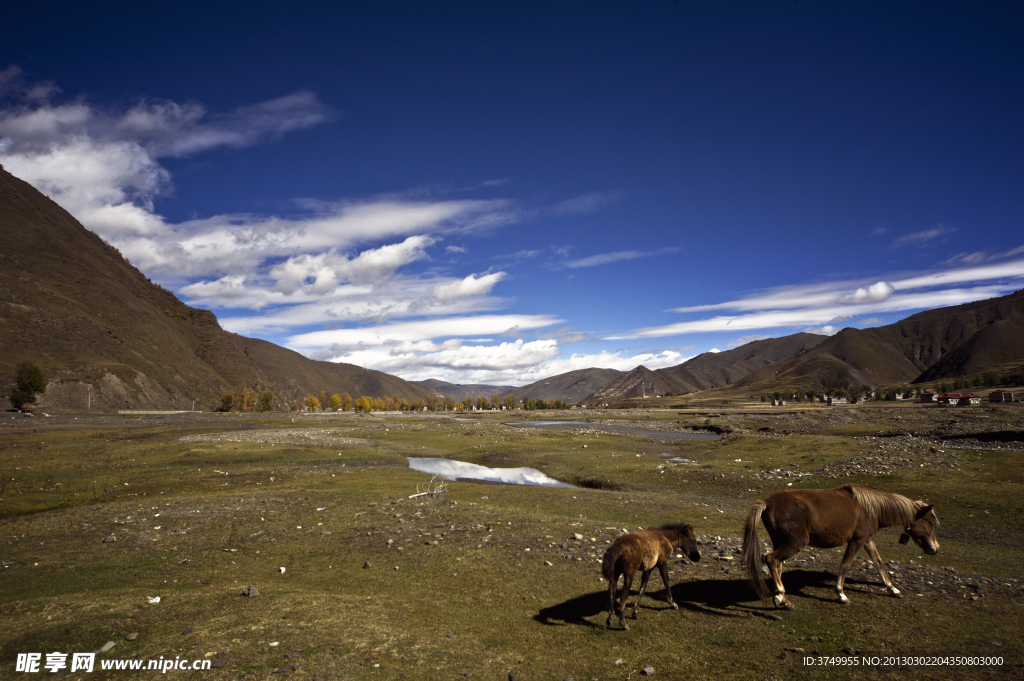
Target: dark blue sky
x,y
767,159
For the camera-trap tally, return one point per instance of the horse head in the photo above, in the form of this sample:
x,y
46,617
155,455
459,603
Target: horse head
x,y
922,529
690,544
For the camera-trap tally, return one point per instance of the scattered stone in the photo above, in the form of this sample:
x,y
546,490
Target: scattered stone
x,y
107,646
510,677
548,563
618,661
187,630
325,533
577,536
453,635
816,639
849,650
794,649
366,565
467,674
648,670
132,636
250,592
110,539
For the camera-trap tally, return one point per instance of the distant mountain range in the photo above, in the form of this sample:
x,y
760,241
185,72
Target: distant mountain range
x,y
105,335
570,387
948,342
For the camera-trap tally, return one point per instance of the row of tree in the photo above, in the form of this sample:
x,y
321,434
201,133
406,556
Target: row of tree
x,y
344,402
246,399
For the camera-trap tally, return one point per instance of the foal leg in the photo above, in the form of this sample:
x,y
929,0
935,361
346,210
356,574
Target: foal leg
x,y
611,600
844,566
663,568
643,588
627,586
774,561
877,559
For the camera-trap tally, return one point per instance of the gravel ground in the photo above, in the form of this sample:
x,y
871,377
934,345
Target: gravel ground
x,y
309,437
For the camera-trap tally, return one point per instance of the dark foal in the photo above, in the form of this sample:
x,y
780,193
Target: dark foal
x,y
644,551
826,518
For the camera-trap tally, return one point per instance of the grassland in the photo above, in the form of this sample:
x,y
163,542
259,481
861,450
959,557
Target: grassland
x,y
491,579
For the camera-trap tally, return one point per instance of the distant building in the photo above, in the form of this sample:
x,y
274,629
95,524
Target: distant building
x,y
778,403
833,401
928,396
958,400
1000,395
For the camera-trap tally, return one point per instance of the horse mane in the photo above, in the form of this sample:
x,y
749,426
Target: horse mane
x,y
888,509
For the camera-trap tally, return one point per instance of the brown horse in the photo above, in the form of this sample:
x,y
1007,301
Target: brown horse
x,y
644,551
826,518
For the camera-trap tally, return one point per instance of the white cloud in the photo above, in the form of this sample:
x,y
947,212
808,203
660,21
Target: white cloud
x,y
924,235
417,330
827,330
714,350
587,203
872,294
871,321
509,363
472,285
618,256
455,249
966,258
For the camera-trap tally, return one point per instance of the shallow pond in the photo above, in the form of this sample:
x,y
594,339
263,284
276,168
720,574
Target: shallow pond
x,y
618,430
453,470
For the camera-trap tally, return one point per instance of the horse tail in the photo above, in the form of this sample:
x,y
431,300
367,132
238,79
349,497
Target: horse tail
x,y
611,557
752,550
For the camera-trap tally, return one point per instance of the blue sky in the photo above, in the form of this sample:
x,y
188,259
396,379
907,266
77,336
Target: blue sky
x,y
500,192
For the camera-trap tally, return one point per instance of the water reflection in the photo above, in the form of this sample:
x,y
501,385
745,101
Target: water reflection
x,y
453,470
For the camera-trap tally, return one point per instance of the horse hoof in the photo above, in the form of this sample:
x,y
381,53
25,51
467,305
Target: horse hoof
x,y
844,600
674,606
896,593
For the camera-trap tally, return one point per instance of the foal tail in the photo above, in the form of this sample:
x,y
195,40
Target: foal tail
x,y
611,556
752,550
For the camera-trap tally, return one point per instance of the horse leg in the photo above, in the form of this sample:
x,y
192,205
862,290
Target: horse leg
x,y
877,559
663,568
774,561
643,587
844,566
627,586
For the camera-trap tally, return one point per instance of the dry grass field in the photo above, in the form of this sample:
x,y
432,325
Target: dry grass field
x,y
99,514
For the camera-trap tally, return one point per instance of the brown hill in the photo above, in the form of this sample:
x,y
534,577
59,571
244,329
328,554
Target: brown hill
x,y
718,369
103,333
935,344
571,387
638,383
461,392
293,376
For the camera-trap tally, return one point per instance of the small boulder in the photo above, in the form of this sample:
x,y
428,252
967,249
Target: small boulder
x,y
250,592
366,565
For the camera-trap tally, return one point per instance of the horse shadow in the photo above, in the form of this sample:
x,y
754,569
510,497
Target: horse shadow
x,y
715,597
